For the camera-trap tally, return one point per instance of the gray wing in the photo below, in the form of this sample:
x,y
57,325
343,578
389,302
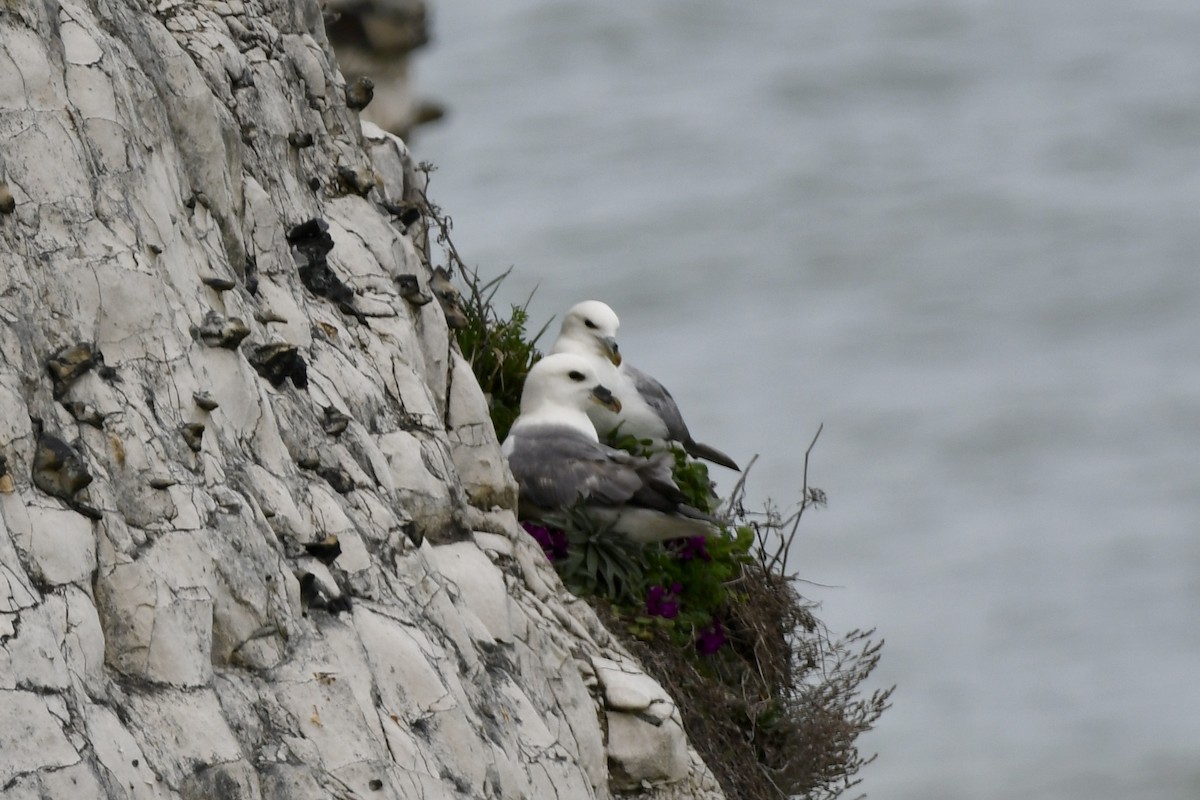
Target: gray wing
x,y
556,465
658,398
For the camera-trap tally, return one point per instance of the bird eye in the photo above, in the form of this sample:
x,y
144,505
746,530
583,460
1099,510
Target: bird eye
x,y
575,375
590,324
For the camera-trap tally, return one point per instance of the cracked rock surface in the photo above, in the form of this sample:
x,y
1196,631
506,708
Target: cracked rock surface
x,y
256,540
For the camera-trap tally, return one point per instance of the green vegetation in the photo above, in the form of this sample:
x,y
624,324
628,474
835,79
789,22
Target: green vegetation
x,y
500,350
770,699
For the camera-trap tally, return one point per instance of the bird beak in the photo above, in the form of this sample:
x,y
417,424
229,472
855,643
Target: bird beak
x,y
610,349
605,398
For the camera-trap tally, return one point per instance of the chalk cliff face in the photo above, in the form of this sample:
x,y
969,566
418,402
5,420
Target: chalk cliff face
x,y
217,355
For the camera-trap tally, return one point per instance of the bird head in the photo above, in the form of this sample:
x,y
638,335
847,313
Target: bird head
x,y
565,380
594,324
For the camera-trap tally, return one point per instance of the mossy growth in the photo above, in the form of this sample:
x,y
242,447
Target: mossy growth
x,y
771,700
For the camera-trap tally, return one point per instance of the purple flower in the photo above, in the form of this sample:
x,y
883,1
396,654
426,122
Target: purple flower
x,y
552,540
711,638
690,548
661,602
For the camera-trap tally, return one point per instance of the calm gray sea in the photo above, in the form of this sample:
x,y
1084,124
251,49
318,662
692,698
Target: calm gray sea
x,y
964,235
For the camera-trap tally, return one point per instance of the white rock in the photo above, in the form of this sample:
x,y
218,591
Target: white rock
x,y
91,92
493,543
276,502
640,752
62,546
180,730
84,639
481,466
158,612
328,716
78,45
77,780
30,736
627,688
35,657
425,494
14,418
16,590
480,584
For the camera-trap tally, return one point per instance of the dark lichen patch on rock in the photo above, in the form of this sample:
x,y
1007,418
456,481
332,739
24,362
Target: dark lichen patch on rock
x,y
334,422
193,435
358,180
84,413
337,478
449,298
410,290
359,93
312,243
70,364
405,213
326,551
278,362
218,331
309,460
59,471
220,284
250,275
205,401
314,595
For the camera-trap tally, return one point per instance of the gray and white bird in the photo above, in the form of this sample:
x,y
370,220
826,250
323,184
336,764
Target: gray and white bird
x,y
558,460
647,409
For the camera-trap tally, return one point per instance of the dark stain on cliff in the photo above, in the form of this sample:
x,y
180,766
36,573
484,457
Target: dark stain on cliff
x,y
59,471
326,551
449,299
359,93
218,331
312,243
278,362
334,422
70,364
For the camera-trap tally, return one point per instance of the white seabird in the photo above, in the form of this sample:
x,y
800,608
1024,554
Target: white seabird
x,y
558,461
647,409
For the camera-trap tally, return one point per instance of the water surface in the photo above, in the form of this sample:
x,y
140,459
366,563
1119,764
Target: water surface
x,y
961,234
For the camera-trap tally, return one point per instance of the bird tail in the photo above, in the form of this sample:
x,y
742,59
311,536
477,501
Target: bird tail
x,y
698,450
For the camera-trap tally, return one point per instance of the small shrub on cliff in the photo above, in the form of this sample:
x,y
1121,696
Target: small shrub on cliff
x,y
500,349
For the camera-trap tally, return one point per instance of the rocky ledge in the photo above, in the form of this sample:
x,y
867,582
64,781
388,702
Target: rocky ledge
x,y
256,537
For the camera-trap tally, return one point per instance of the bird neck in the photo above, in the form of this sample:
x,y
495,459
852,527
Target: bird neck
x,y
579,346
560,415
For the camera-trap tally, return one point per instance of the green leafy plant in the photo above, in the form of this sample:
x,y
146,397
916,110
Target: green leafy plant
x,y
595,559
